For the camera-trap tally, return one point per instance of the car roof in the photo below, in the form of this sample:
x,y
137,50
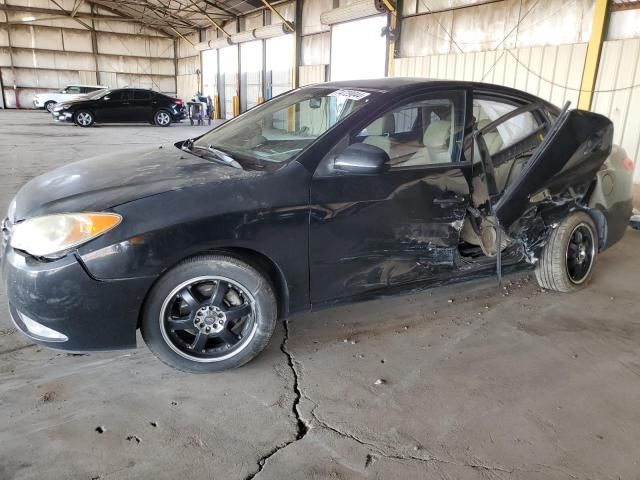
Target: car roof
x,y
389,84
83,85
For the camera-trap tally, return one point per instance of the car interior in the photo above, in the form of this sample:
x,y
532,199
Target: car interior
x,y
509,145
415,134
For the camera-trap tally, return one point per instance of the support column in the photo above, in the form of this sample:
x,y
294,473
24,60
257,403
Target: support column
x,y
392,24
94,45
13,69
594,50
297,52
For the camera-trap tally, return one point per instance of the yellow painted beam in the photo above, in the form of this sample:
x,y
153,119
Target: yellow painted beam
x,y
594,49
393,23
277,13
183,37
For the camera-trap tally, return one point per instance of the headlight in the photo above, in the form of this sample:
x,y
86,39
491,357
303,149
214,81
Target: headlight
x,y
54,234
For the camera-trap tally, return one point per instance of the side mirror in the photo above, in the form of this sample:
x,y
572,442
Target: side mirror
x,y
361,158
106,98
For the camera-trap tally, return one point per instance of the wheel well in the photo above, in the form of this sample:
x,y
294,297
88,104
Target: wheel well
x,y
267,267
84,110
601,224
257,260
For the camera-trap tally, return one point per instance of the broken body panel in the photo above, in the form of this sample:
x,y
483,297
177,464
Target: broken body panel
x,y
559,176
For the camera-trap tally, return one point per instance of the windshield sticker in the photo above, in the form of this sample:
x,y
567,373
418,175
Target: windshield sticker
x,y
349,94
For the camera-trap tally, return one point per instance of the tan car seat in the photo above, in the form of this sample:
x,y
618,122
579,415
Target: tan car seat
x,y
437,143
378,132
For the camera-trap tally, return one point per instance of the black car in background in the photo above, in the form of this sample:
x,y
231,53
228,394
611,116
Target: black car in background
x,y
122,105
328,194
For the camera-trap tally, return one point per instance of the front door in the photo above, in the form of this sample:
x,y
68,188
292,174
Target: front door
x,y
369,232
116,107
142,106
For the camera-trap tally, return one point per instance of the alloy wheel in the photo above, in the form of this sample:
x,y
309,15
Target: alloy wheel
x,y
84,118
208,319
580,253
163,118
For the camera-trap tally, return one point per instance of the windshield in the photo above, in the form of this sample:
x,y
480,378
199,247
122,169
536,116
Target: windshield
x,y
96,94
280,129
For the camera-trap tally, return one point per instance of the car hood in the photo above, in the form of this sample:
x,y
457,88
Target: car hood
x,y
106,181
71,102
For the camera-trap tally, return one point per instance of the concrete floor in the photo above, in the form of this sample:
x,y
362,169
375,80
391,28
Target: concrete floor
x,y
498,383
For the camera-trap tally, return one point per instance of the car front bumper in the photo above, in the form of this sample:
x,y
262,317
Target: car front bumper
x,y
62,116
59,305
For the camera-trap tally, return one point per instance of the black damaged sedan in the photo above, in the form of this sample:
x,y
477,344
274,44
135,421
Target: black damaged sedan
x,y
331,193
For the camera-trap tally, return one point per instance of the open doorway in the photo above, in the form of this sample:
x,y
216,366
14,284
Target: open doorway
x,y
359,49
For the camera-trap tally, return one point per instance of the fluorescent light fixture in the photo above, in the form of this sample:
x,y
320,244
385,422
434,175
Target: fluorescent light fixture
x,y
355,11
28,19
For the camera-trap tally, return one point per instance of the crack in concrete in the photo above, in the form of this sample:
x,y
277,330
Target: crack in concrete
x,y
386,451
302,427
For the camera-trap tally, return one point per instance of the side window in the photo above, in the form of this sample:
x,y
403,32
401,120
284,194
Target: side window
x,y
119,95
142,95
405,119
420,133
507,133
72,89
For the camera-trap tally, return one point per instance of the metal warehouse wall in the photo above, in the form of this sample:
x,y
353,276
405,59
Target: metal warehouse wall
x,y
188,64
543,54
40,53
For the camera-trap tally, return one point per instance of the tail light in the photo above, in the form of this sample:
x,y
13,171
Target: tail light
x,y
628,165
178,101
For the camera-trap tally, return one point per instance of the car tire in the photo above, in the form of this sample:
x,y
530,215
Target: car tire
x,y
162,118
83,118
191,317
48,106
567,260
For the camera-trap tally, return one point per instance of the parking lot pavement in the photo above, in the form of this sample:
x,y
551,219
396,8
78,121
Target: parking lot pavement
x,y
472,381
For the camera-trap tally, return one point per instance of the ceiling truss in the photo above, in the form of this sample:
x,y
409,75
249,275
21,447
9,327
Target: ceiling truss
x,y
175,18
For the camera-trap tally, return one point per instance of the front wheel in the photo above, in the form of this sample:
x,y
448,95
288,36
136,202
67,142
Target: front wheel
x,y
567,260
209,313
83,118
49,106
162,118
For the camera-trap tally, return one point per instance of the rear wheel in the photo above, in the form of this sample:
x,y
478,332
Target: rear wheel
x,y
83,118
209,313
162,118
49,106
567,260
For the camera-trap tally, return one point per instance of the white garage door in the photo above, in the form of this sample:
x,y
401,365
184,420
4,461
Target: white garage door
x,y
358,49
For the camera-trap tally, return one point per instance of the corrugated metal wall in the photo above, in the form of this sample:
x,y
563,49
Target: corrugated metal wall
x,y
50,53
552,72
188,63
618,93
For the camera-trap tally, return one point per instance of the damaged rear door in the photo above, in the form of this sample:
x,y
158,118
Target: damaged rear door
x,y
563,165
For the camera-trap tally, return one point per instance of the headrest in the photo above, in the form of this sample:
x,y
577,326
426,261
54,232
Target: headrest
x,y
383,125
437,134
